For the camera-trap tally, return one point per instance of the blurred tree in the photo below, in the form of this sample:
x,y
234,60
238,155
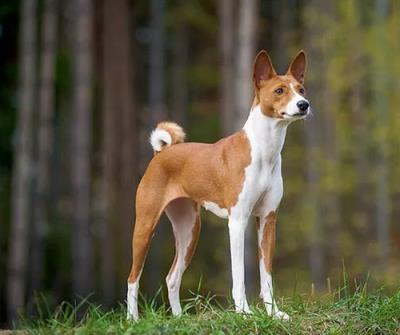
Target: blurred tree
x,y
381,117
23,164
157,112
130,138
119,169
179,66
45,140
245,49
157,63
9,12
312,146
352,22
81,136
111,24
326,103
362,128
227,53
285,19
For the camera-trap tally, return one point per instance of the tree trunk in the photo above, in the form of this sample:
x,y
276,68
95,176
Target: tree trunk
x,y
246,42
81,134
363,188
246,47
22,169
382,195
316,252
312,147
157,64
120,141
285,20
156,113
358,106
45,140
226,39
110,150
180,62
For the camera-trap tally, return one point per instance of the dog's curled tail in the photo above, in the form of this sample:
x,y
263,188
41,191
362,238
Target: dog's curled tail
x,y
165,135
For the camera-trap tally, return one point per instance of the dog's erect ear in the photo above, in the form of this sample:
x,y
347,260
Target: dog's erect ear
x,y
262,69
298,66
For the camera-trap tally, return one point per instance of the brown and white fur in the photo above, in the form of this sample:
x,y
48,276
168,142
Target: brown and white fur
x,y
234,178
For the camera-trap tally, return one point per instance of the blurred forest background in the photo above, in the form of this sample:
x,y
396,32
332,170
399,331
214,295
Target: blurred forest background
x,y
83,82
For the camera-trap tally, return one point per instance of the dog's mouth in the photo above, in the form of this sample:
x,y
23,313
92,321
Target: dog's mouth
x,y
299,114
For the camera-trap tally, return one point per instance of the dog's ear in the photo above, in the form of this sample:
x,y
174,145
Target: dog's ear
x,y
298,66
262,68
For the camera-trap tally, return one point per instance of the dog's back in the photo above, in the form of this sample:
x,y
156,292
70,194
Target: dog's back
x,y
200,171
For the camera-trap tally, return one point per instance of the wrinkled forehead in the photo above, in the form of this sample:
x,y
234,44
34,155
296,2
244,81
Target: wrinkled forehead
x,y
283,80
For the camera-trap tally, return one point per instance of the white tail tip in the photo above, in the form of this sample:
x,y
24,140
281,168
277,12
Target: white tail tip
x,y
166,134
160,138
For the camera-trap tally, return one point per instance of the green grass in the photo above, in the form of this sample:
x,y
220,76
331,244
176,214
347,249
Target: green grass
x,y
337,313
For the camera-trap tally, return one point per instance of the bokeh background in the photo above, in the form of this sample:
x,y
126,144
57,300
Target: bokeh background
x,y
83,82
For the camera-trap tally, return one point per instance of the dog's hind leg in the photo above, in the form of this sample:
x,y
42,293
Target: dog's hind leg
x,y
143,233
184,216
151,200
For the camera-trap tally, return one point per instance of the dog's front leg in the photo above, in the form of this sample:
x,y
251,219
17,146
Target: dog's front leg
x,y
266,230
237,227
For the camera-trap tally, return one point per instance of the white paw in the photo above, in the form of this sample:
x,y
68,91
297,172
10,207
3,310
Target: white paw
x,y
243,308
176,311
245,311
280,315
132,317
274,312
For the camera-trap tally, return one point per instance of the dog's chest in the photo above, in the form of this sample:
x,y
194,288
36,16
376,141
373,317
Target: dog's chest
x,y
259,180
263,179
258,176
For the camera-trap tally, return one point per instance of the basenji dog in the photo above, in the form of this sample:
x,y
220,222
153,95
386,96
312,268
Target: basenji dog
x,y
235,178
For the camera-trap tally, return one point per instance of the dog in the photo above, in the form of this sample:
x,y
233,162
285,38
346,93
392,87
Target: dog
x,y
234,178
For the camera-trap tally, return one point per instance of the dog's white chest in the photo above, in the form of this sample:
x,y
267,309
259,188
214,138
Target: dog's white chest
x,y
263,179
259,182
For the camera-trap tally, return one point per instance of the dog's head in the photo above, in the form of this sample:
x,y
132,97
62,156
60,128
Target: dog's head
x,y
281,96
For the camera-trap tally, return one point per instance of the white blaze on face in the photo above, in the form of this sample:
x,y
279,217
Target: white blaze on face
x,y
292,109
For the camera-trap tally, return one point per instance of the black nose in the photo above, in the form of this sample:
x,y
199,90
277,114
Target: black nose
x,y
303,105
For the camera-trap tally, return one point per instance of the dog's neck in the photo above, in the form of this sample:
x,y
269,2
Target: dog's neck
x,y
266,135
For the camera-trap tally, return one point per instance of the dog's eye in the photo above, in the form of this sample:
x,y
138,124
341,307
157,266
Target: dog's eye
x,y
302,91
279,91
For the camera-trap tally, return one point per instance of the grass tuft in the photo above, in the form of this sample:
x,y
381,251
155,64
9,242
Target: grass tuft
x,y
339,312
